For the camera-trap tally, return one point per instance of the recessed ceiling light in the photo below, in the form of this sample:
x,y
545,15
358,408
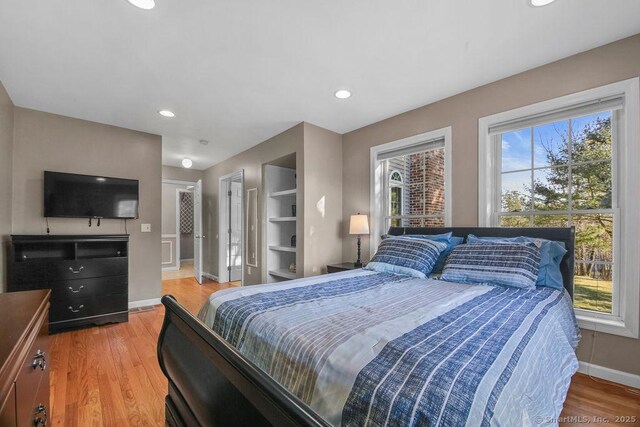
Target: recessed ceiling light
x,y
166,113
143,4
187,163
539,3
342,94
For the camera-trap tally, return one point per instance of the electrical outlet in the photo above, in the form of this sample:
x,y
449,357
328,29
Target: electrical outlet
x,y
145,228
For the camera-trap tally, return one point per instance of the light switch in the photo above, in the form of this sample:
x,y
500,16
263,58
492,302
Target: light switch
x,y
145,228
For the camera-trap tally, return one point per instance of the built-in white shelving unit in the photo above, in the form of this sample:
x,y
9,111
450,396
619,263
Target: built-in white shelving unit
x,y
282,274
284,193
282,248
280,185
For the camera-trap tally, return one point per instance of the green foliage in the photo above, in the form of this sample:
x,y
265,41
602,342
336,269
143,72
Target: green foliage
x,y
591,184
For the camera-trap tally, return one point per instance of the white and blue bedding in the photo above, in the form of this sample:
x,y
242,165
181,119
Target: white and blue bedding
x,y
367,348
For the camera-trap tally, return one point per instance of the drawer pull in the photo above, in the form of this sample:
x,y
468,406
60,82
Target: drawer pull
x,y
76,291
76,310
39,360
41,416
76,271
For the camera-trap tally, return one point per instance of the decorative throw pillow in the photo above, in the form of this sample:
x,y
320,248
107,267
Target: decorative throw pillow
x,y
407,256
444,237
505,264
442,259
551,254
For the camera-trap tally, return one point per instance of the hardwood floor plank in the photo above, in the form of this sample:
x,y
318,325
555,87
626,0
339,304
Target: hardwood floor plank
x,y
109,375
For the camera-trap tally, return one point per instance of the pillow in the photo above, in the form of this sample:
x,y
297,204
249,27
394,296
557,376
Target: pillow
x,y
500,263
407,256
551,254
444,237
442,259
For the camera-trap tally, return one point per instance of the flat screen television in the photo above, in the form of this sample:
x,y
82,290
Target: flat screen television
x,y
71,195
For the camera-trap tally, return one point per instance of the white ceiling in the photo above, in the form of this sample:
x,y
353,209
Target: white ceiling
x,y
237,72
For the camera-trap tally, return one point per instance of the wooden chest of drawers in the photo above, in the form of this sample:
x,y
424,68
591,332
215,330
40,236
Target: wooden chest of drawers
x,y
24,352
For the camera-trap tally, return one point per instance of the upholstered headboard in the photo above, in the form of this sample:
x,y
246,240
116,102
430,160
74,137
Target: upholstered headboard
x,y
564,235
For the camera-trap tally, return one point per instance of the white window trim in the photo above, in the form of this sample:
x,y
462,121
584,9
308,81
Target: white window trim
x,y
377,180
627,323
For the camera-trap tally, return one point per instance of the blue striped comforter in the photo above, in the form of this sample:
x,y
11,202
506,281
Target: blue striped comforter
x,y
365,348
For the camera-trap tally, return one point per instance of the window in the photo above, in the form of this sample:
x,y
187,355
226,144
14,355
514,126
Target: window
x,y
560,174
572,162
396,193
409,183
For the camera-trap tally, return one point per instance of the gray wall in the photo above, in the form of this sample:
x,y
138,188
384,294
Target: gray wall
x,y
6,154
322,199
597,67
44,141
251,161
181,174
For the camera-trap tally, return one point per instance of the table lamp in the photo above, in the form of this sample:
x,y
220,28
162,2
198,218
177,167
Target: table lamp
x,y
358,225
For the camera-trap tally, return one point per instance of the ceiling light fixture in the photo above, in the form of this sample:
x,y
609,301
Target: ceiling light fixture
x,y
187,163
143,4
342,94
166,113
204,142
540,3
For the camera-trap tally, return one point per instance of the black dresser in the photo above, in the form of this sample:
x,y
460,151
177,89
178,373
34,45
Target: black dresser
x,y
88,276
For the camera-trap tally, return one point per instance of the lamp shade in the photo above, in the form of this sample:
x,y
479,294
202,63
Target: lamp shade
x,y
359,224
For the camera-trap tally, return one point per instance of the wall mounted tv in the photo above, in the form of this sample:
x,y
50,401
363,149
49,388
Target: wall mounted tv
x,y
71,195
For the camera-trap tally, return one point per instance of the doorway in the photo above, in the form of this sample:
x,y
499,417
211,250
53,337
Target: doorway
x,y
181,237
231,227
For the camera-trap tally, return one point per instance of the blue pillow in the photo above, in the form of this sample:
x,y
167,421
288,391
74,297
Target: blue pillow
x,y
512,264
444,237
442,259
406,256
551,254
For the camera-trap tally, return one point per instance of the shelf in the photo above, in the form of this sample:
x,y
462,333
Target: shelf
x,y
283,193
282,248
285,274
282,219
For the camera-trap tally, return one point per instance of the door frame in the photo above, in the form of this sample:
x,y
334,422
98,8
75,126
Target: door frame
x,y
223,272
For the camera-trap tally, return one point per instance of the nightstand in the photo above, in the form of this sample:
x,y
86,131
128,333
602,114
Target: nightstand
x,y
343,266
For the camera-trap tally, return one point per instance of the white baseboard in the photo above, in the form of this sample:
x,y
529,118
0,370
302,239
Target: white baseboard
x,y
620,377
170,268
144,302
210,276
187,259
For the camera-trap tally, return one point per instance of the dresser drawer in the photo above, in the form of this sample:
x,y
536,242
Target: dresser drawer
x,y
88,306
82,269
73,289
33,377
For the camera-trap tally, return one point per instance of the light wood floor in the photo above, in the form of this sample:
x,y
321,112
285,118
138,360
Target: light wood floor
x,y
109,375
185,271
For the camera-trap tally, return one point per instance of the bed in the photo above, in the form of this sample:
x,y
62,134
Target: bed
x,y
368,348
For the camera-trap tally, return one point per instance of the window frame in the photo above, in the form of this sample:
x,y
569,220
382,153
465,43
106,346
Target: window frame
x,y
626,214
378,184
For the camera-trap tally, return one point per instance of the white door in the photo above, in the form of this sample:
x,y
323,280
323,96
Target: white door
x,y
235,232
197,231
